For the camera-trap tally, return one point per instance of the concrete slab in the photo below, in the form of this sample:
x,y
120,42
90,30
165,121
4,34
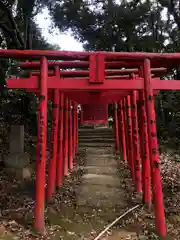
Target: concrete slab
x,y
96,150
100,185
95,161
96,196
96,140
100,170
89,136
91,145
101,179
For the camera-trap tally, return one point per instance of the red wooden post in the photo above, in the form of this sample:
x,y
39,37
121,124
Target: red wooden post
x,y
122,127
74,127
41,160
66,133
136,147
60,155
38,131
126,130
81,116
130,141
73,146
116,126
54,144
119,127
77,126
144,143
154,152
70,137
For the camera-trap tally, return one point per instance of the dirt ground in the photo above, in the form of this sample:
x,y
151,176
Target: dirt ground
x,y
67,219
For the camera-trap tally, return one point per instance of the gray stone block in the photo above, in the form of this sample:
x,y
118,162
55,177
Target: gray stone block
x,y
17,160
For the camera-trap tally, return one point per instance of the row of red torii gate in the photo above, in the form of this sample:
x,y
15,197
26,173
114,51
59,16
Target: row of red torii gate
x,y
94,80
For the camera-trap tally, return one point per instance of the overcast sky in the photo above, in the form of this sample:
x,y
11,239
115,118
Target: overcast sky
x,y
65,41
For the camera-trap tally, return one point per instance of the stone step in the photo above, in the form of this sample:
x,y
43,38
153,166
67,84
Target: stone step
x,y
102,149
96,137
97,140
93,145
102,203
94,151
97,129
101,163
87,126
93,202
99,153
110,136
108,170
95,195
95,132
101,179
99,190
107,141
100,185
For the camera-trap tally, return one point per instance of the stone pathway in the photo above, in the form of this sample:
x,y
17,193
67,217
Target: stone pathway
x,y
100,184
100,189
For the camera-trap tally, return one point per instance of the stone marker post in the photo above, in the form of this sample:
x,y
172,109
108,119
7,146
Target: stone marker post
x,y
17,161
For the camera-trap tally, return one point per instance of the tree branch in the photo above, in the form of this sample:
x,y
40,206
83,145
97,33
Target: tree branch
x,y
14,30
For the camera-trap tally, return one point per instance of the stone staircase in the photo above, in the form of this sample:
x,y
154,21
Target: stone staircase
x,y
100,185
97,137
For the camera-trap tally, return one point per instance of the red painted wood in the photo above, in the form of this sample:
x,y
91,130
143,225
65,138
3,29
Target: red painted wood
x,y
72,84
70,148
144,144
85,65
154,153
116,126
62,64
124,104
66,136
110,84
54,145
102,74
136,147
60,155
50,54
41,160
95,113
100,80
129,136
122,130
77,126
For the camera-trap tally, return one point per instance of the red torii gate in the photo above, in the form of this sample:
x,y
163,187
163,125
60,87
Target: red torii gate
x,y
66,88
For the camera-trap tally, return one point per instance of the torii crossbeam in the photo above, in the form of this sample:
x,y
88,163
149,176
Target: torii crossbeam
x,y
121,78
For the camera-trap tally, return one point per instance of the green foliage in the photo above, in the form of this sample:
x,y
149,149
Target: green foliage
x,y
128,26
100,25
19,30
106,25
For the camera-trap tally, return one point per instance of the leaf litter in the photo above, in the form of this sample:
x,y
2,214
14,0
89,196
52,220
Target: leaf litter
x,y
66,220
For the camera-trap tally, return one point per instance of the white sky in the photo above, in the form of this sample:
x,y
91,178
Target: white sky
x,y
65,41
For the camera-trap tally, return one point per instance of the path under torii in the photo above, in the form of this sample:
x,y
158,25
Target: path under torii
x,y
95,80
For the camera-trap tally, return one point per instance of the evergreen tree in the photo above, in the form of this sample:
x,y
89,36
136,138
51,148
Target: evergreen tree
x,y
107,25
128,26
